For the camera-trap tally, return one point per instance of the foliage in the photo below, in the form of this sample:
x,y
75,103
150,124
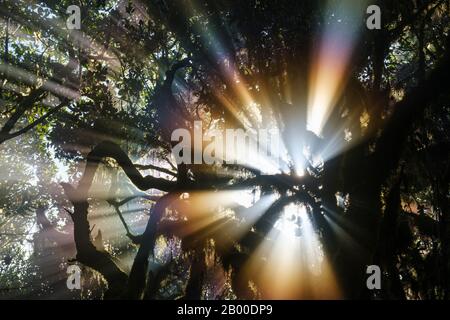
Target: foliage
x,y
104,100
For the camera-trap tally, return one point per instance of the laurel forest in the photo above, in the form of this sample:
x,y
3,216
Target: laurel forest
x,y
105,122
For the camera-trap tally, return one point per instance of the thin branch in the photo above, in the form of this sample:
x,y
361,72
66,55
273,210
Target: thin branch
x,y
128,199
109,149
38,121
135,239
26,103
153,167
170,163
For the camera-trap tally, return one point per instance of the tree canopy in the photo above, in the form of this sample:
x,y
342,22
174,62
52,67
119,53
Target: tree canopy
x,y
87,169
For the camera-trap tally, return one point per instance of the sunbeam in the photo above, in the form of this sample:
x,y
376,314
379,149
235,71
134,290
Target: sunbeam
x,y
290,262
330,65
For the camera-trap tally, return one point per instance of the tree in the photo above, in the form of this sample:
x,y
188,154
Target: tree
x,y
363,115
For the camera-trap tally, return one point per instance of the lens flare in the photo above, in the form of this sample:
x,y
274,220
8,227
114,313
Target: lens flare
x,y
331,62
290,262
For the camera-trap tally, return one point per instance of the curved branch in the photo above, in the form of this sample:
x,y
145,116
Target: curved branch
x,y
109,149
153,167
38,121
128,199
135,239
25,104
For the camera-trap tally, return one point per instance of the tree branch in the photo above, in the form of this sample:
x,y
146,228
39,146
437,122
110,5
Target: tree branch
x,y
26,103
137,278
406,112
153,167
87,254
38,121
135,239
86,251
117,204
109,149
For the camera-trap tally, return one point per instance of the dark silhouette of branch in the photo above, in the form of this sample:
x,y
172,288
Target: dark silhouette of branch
x,y
109,149
138,274
136,239
131,198
25,104
153,167
38,121
87,253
